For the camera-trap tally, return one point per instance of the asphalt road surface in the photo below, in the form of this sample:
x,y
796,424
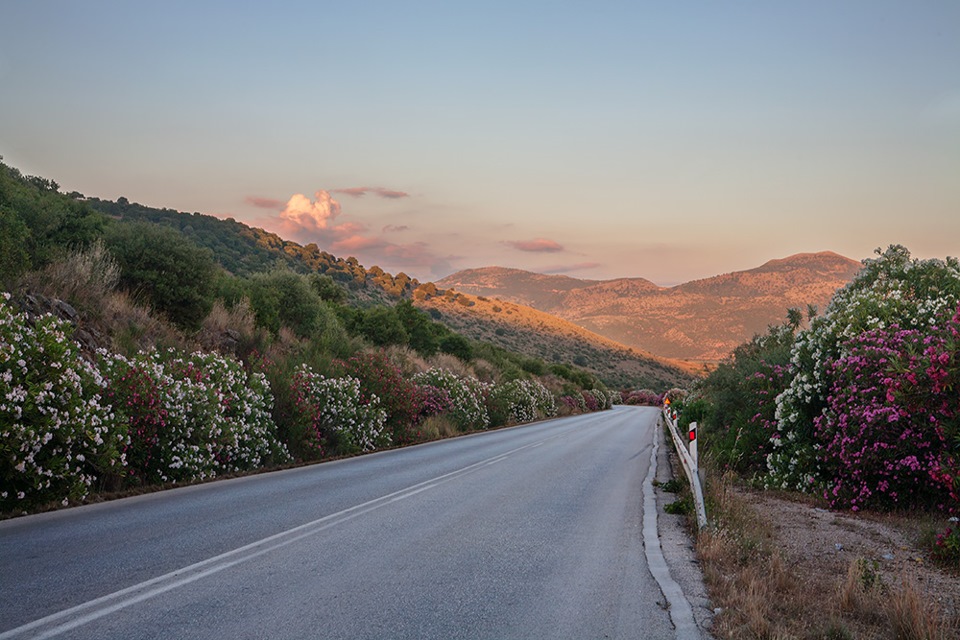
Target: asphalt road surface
x,y
530,532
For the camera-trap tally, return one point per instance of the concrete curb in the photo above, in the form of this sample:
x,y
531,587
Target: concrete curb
x,y
670,553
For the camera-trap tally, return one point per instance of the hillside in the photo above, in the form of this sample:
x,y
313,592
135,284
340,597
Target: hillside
x,y
239,261
526,330
699,320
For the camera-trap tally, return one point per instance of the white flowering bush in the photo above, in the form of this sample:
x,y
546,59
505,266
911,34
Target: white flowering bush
x,y
190,417
892,290
57,436
467,394
333,416
614,397
522,400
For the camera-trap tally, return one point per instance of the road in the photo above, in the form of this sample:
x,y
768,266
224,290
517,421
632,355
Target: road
x,y
529,532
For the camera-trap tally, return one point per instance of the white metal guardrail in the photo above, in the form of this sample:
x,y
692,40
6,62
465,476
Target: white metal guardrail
x,y
688,457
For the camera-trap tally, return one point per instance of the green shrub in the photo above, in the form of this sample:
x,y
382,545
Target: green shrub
x,y
174,275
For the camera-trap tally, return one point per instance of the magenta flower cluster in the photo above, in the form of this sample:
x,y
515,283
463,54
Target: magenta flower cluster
x,y
889,434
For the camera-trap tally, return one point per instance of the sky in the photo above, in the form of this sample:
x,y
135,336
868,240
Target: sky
x,y
664,140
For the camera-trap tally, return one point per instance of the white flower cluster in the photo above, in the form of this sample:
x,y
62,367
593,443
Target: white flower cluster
x,y
890,290
57,437
469,410
192,417
337,405
526,400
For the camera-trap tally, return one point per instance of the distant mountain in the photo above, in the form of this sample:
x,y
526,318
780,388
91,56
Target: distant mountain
x,y
525,330
699,320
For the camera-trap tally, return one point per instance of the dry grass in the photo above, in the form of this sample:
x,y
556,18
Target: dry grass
x,y
83,278
406,359
437,427
133,328
767,589
913,615
87,279
451,363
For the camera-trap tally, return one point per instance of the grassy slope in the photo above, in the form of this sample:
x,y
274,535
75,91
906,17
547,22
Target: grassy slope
x,y
525,330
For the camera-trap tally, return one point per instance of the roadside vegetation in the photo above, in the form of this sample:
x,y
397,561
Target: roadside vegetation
x,y
131,358
855,410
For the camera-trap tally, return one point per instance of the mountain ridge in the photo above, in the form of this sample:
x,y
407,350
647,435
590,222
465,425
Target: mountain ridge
x,y
701,320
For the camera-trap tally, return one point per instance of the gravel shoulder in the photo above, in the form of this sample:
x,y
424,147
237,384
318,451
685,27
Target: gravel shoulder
x,y
818,543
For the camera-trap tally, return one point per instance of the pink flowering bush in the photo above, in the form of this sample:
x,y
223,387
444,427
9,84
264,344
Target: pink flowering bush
x,y
890,433
643,398
58,437
875,451
891,290
574,404
400,397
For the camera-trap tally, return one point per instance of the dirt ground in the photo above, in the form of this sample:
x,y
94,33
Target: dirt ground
x,y
819,546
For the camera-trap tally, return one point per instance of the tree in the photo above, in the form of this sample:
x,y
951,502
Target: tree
x,y
327,288
457,345
382,327
283,298
175,276
421,330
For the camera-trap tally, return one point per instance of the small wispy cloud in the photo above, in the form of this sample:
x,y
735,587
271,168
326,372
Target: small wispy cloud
x,y
395,228
359,192
537,245
264,203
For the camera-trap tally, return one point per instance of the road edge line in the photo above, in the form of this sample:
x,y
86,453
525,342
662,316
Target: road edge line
x,y
678,607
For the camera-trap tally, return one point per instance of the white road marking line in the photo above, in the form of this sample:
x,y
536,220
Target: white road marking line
x,y
123,598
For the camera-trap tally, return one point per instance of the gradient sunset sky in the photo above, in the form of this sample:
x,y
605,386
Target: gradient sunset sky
x,y
666,140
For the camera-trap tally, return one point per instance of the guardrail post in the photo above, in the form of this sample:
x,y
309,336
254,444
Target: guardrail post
x,y
693,446
689,460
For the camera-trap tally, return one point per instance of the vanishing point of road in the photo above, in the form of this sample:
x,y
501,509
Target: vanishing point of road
x,y
528,532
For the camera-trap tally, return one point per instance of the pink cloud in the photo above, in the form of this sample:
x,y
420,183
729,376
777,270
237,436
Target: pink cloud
x,y
357,243
264,203
537,245
317,220
301,213
358,192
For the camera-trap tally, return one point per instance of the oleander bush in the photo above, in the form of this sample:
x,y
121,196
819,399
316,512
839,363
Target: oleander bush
x,y
518,401
399,396
334,416
891,290
58,437
862,406
467,395
191,417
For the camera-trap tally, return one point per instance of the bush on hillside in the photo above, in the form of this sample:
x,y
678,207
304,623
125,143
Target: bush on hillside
x,y
190,417
58,437
333,416
400,397
467,394
175,276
